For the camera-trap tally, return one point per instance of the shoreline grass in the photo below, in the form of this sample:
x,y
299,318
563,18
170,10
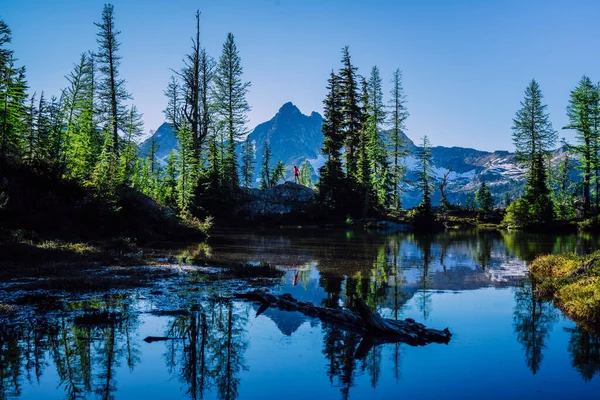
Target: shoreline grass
x,y
573,282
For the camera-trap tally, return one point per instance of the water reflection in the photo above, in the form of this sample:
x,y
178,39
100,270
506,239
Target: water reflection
x,y
94,347
585,352
533,320
208,353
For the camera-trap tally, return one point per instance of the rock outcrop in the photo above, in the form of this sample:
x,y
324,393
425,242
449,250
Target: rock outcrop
x,y
287,198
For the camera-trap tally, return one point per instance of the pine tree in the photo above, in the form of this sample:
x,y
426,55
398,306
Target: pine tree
x,y
332,183
247,162
186,177
30,130
365,140
305,175
533,137
425,178
57,137
190,75
278,173
398,151
134,129
111,91
105,177
12,98
42,151
84,144
376,97
381,176
169,184
214,164
152,150
207,75
483,198
75,96
350,111
532,129
231,106
174,107
583,116
265,172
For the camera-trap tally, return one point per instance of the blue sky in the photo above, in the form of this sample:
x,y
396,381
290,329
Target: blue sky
x,y
465,63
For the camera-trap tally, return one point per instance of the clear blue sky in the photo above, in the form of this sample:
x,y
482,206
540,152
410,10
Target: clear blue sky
x,y
465,63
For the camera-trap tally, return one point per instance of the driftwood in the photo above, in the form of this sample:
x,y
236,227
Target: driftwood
x,y
152,339
584,267
374,329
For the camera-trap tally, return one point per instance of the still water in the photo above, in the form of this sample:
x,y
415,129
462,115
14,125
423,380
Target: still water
x,y
505,343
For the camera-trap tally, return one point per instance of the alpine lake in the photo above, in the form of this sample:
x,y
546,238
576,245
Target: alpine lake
x,y
182,334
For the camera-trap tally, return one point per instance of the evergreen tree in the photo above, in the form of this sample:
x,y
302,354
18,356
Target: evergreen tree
x,y
190,74
169,184
332,182
278,173
231,106
533,137
151,155
174,103
214,164
265,172
85,144
484,199
365,141
56,122
12,98
247,162
376,97
583,113
381,176
105,177
425,178
207,75
186,177
111,91
134,129
350,111
75,96
305,175
564,199
43,144
30,131
398,151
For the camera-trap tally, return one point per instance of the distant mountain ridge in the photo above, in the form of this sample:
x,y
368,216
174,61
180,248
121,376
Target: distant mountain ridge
x,y
295,137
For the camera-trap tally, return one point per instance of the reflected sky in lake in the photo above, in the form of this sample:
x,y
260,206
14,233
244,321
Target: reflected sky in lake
x,y
505,344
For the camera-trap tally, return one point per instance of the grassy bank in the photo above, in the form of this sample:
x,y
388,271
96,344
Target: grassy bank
x,y
574,284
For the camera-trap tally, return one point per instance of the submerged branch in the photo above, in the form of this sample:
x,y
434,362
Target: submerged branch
x,y
374,328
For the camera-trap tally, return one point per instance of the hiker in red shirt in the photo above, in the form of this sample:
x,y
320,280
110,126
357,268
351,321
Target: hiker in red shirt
x,y
296,174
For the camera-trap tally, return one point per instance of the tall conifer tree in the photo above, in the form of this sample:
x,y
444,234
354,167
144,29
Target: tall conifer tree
x,y
247,162
534,137
351,113
398,114
111,90
583,113
231,106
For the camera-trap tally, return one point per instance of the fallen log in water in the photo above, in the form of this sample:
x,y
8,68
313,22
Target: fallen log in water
x,y
375,329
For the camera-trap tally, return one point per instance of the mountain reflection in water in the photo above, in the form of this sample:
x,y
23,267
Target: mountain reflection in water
x,y
474,283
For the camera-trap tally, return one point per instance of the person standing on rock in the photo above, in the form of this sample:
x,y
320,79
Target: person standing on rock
x,y
296,174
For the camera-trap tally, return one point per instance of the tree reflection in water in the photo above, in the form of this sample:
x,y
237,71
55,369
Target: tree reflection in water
x,y
532,320
210,346
87,341
585,352
94,336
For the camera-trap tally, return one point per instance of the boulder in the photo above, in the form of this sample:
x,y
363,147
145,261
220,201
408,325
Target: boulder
x,y
287,198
